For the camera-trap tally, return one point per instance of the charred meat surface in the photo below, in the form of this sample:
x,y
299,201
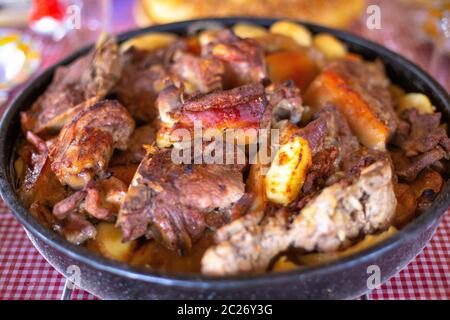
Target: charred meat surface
x,y
85,145
168,201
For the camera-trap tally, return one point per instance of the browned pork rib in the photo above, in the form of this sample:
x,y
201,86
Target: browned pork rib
x,y
422,142
243,58
90,77
336,216
239,108
169,202
85,145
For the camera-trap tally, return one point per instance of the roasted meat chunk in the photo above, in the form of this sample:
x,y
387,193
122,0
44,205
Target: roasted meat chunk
x,y
39,184
239,108
365,104
285,102
336,216
243,58
144,76
421,133
90,77
147,73
85,145
76,228
422,141
169,201
198,74
100,199
169,103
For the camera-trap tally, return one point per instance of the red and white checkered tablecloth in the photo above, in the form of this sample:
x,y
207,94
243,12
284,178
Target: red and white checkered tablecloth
x,y
24,274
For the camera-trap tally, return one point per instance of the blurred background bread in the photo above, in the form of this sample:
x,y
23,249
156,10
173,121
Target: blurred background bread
x,y
333,13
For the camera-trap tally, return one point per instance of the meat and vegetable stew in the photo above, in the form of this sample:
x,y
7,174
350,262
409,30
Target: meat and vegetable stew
x,y
347,158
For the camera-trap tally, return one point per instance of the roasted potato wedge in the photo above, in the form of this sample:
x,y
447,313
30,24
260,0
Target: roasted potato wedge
x,y
109,243
149,42
415,100
142,256
299,33
287,172
330,46
284,264
273,42
248,30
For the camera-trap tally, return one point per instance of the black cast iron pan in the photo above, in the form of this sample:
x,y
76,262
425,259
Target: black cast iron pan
x,y
344,278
